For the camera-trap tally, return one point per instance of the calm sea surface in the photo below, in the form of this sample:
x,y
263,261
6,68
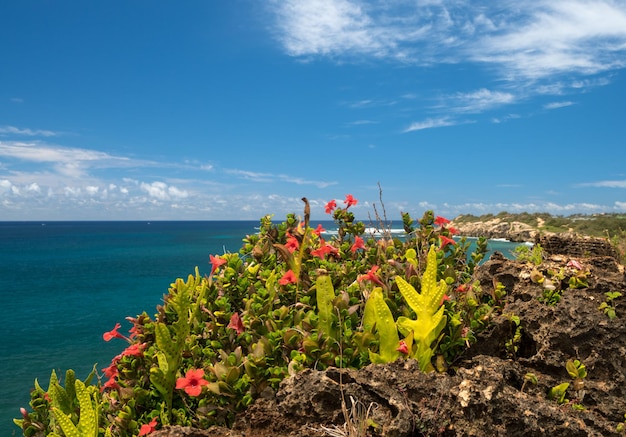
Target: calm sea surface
x,y
65,283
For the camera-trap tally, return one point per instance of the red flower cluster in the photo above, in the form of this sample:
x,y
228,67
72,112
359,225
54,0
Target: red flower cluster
x,y
349,201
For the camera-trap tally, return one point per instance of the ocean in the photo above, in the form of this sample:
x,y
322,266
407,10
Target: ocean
x,y
65,283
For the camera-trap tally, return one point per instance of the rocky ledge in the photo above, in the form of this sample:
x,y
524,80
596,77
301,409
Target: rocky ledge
x,y
497,228
485,394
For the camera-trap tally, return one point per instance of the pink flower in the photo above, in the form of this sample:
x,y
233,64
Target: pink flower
x,y
445,241
288,278
440,221
575,264
216,262
371,276
236,323
148,427
107,336
403,348
330,207
358,244
192,382
350,201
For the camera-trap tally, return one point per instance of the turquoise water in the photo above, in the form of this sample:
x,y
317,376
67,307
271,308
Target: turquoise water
x,y
65,283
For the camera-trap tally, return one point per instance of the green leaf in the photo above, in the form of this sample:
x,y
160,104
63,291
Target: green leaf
x,y
325,294
66,424
88,424
377,315
428,308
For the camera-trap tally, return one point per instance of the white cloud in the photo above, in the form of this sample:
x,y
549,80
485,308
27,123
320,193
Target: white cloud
x,y
482,100
551,37
269,178
557,105
605,184
330,27
429,124
41,152
529,42
12,130
162,191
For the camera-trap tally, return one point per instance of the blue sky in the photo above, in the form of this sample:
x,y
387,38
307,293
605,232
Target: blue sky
x,y
237,109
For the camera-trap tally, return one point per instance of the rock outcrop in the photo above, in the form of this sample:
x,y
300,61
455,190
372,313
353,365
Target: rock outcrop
x,y
497,228
486,393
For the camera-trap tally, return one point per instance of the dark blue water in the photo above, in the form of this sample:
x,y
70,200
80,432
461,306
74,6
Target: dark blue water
x,y
63,284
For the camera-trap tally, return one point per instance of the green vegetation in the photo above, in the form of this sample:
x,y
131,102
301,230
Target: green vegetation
x,y
288,300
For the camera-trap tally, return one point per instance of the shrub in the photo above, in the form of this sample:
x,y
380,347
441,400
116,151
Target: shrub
x,y
288,300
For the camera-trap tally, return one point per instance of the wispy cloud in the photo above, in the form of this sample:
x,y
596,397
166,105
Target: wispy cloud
x,y
429,124
12,130
481,100
525,47
527,38
269,178
557,105
605,184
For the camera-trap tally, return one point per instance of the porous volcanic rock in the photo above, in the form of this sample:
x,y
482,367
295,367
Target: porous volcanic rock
x,y
481,395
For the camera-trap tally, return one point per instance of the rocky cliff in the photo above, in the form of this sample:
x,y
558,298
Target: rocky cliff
x,y
497,228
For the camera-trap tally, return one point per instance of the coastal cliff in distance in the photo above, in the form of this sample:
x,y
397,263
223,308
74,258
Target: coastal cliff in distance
x,y
523,227
497,228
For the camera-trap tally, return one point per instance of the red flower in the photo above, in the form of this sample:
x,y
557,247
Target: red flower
x,y
403,348
350,201
463,288
192,382
323,250
453,231
236,323
288,278
111,383
371,276
358,244
318,231
444,299
292,243
134,350
216,262
111,371
445,241
113,333
330,207
440,221
148,427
